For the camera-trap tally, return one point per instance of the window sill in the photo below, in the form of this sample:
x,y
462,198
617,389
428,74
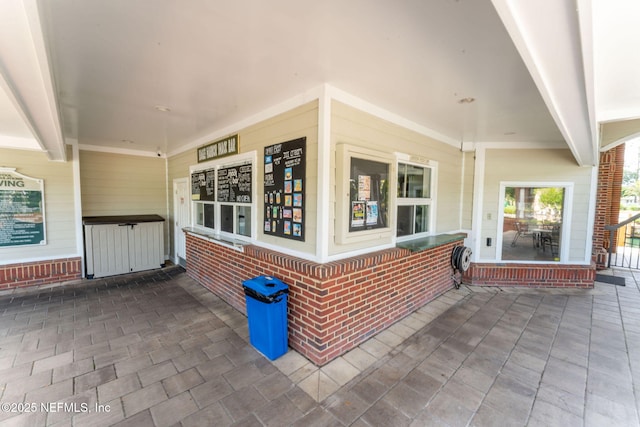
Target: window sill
x,y
423,243
214,237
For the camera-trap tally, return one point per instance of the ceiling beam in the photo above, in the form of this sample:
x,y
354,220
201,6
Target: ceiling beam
x,y
547,34
26,76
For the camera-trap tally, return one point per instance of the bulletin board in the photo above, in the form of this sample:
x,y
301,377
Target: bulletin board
x,y
22,219
284,189
369,194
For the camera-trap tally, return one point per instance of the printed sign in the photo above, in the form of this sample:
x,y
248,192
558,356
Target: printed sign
x,y
217,149
21,209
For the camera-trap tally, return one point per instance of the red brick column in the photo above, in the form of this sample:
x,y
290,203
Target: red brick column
x,y
610,173
616,188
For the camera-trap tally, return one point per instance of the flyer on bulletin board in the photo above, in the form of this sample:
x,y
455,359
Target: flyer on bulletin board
x,y
364,187
357,213
372,213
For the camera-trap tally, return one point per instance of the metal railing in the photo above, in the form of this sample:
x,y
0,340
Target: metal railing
x,y
624,243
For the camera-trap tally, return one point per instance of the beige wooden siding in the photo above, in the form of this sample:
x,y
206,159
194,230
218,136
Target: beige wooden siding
x,y
467,191
120,184
59,205
357,128
536,166
299,122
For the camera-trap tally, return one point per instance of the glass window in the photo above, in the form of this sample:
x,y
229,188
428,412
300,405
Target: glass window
x,y
369,194
414,181
414,200
243,222
532,223
205,216
199,214
209,215
226,218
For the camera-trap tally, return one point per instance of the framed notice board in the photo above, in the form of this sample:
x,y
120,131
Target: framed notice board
x,y
284,188
21,209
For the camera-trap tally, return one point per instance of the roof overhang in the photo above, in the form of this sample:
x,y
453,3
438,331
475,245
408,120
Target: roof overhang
x,y
26,80
548,34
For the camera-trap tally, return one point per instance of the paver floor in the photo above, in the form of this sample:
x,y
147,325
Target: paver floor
x,y
157,349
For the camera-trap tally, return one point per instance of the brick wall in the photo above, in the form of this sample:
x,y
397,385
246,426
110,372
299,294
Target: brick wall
x,y
333,307
531,275
616,186
40,272
610,173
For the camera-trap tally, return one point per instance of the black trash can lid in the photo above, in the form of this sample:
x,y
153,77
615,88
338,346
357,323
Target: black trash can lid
x,y
266,286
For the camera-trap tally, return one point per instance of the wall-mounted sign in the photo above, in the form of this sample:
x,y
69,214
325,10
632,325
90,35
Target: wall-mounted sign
x,y
284,200
234,184
221,148
203,185
21,209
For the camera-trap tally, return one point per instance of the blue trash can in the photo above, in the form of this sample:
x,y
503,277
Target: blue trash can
x,y
266,299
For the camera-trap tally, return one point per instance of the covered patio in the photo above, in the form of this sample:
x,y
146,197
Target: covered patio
x,y
158,349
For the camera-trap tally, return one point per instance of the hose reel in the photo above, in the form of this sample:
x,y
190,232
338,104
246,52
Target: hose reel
x,y
460,261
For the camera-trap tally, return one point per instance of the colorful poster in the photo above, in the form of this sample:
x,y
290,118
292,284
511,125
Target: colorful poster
x,y
372,213
357,213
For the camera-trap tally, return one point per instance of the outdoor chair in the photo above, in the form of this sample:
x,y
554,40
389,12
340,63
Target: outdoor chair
x,y
521,230
552,239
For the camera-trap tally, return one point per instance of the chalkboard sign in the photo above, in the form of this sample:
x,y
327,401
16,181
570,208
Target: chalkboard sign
x,y
284,184
21,209
234,184
203,185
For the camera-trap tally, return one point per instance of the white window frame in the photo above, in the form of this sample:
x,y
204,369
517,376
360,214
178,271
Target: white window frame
x,y
194,215
238,159
404,159
566,219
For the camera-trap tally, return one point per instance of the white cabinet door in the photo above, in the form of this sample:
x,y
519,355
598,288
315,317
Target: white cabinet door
x,y
107,250
146,246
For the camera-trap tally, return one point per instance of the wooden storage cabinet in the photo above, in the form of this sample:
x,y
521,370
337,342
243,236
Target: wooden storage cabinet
x,y
123,244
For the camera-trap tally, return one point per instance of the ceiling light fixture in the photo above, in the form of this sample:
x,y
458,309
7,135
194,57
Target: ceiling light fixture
x,y
128,141
466,100
162,108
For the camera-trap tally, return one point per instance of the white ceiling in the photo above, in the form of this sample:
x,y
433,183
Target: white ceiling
x,y
100,68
